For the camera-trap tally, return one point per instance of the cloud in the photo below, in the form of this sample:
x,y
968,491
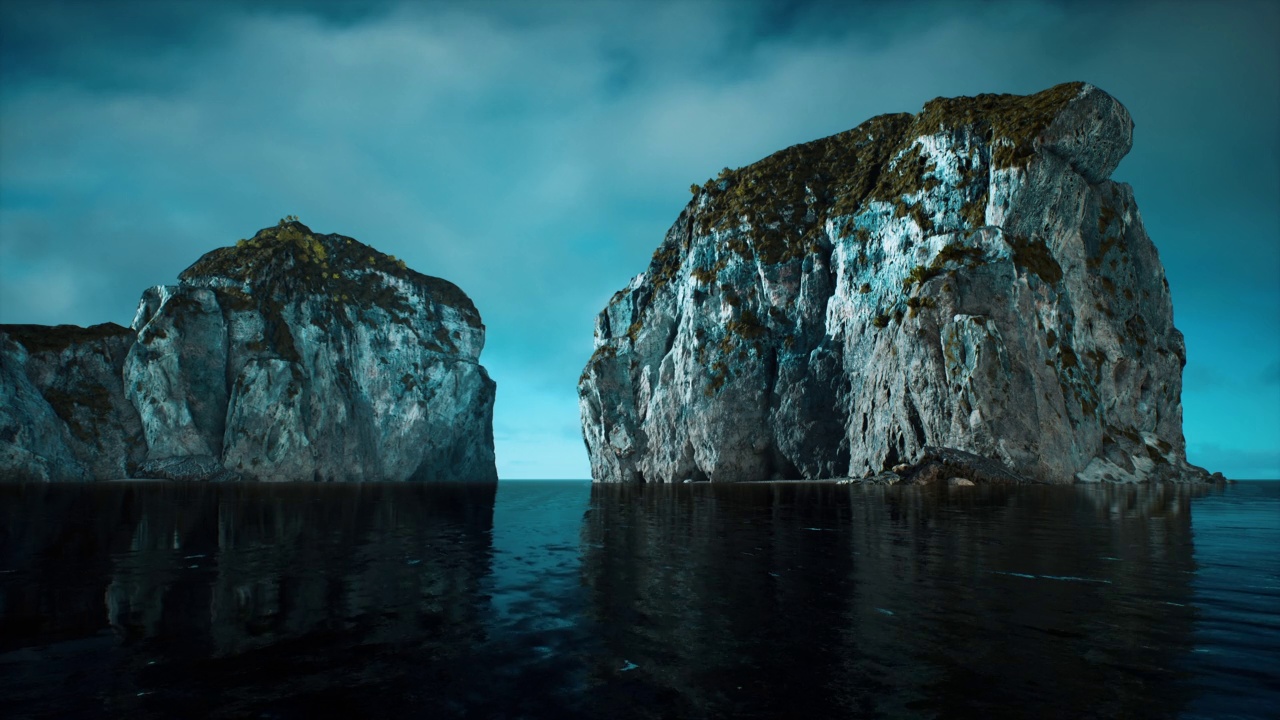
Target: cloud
x,y
535,154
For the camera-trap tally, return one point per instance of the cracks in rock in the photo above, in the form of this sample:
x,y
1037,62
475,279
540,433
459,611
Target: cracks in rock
x,y
891,456
913,418
672,334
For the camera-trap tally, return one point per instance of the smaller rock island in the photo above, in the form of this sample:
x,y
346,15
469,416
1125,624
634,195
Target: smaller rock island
x,y
289,356
907,299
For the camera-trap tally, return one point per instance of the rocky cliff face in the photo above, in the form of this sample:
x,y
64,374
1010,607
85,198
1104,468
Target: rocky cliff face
x,y
63,412
291,356
968,277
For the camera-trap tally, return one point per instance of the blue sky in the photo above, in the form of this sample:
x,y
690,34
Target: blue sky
x,y
535,154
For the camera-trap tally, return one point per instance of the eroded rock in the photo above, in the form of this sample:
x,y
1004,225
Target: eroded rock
x,y
949,466
63,411
967,277
291,356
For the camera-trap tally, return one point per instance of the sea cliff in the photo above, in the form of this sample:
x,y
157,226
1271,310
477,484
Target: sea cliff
x,y
968,278
290,356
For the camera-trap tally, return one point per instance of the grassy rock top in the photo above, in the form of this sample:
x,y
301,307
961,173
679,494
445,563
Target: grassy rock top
x,y
787,197
290,259
56,338
1018,119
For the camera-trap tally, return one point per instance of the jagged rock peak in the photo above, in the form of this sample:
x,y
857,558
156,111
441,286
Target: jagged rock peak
x,y
966,277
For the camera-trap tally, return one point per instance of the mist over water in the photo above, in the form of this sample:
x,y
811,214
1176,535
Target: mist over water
x,y
562,599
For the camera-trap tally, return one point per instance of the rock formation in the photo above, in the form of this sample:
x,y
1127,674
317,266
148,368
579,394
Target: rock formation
x,y
63,412
291,356
968,277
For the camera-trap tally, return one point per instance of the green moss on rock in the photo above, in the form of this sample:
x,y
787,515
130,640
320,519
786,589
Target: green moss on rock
x,y
783,201
920,274
719,376
664,265
289,260
235,300
1011,122
1111,236
915,303
786,198
959,253
748,326
1032,255
955,252
94,398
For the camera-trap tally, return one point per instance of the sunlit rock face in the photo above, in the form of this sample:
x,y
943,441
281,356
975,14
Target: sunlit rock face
x,y
298,356
967,277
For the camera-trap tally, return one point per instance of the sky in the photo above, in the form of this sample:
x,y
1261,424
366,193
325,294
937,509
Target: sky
x,y
536,153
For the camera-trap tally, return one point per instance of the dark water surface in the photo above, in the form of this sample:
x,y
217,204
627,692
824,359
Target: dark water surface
x,y
158,600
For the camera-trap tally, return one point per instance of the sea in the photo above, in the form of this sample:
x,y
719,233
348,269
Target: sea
x,y
563,599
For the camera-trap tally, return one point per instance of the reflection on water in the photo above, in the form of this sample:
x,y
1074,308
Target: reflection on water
x,y
1237,593
766,600
565,600
225,598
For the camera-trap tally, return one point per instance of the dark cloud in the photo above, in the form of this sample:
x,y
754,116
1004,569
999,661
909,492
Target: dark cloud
x,y
535,153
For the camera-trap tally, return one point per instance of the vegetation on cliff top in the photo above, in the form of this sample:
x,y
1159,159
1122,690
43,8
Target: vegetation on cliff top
x,y
56,338
84,402
786,198
777,209
291,258
1011,122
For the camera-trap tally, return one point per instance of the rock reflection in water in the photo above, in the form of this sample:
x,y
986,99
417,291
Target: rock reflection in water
x,y
762,600
819,600
230,597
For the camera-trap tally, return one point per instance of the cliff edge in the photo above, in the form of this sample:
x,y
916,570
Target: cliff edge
x,y
967,277
290,356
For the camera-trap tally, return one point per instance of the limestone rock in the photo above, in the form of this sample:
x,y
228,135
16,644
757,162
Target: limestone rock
x,y
291,356
968,277
63,411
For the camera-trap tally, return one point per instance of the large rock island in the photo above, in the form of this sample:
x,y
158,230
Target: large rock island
x,y
962,282
291,356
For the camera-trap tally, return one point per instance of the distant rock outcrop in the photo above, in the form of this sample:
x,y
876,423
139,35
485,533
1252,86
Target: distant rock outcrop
x,y
291,356
63,412
967,277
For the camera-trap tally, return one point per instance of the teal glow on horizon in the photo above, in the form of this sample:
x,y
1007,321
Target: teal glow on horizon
x,y
535,155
